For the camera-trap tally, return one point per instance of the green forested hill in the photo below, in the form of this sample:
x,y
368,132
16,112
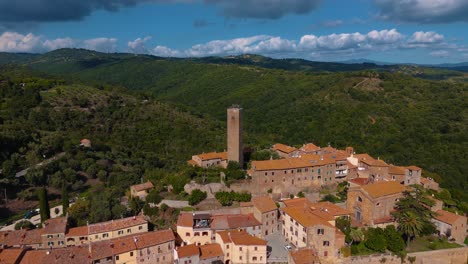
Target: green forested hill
x,y
385,112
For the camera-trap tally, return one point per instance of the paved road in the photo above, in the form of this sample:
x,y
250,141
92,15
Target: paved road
x,y
175,203
40,164
278,253
36,219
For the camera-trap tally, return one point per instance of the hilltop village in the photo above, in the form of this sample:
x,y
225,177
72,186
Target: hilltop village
x,y
286,218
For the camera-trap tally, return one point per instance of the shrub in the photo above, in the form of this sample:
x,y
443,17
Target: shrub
x,y
24,224
196,197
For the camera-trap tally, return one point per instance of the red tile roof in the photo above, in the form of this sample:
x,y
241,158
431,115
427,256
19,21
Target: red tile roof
x,y
143,186
116,225
398,170
150,239
188,251
77,231
448,217
367,159
55,226
213,155
185,219
241,238
305,217
70,255
309,147
284,148
210,251
305,161
359,181
380,189
225,222
304,256
297,202
264,204
10,255
328,211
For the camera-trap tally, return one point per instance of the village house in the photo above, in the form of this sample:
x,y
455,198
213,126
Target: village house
x,y
116,228
245,222
21,238
310,148
265,211
451,225
195,228
53,234
303,256
151,247
69,255
293,174
307,224
368,167
211,159
372,203
430,184
205,254
141,190
285,151
240,247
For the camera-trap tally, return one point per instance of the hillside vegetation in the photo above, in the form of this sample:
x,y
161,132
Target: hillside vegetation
x,y
384,111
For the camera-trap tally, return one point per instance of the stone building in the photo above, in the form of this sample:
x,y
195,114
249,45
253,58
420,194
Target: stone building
x,y
372,203
117,228
211,159
53,234
285,151
451,225
303,228
234,135
141,190
303,256
240,247
293,174
195,228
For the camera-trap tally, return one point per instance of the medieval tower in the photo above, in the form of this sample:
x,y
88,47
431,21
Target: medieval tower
x,y
234,134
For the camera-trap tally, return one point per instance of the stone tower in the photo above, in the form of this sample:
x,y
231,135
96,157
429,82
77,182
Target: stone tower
x,y
234,134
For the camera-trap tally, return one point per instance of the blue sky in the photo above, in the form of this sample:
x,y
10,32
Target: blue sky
x,y
417,31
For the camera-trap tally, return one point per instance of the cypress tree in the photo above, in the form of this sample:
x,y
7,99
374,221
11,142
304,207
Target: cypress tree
x,y
65,199
43,204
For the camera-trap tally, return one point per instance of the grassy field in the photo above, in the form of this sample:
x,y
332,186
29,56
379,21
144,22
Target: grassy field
x,y
430,243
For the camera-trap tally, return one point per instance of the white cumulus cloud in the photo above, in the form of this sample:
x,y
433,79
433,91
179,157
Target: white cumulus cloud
x,y
426,37
138,45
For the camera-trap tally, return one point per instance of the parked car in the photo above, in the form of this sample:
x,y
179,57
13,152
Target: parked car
x,y
288,247
31,213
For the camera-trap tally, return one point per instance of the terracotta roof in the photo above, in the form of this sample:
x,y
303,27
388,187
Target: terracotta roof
x,y
304,256
106,248
225,222
116,225
297,202
185,219
143,186
367,159
350,165
425,180
85,141
188,251
69,255
415,168
328,149
305,217
77,231
10,255
380,189
264,204
33,237
240,238
317,160
448,217
150,239
192,162
398,170
55,225
283,148
328,211
213,155
359,181
210,251
309,147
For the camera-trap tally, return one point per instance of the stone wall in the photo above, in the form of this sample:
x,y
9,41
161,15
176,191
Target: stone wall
x,y
210,188
443,256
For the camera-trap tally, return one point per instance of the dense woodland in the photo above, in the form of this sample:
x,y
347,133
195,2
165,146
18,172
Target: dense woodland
x,y
146,116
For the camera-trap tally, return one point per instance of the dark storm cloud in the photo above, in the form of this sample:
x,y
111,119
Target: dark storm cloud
x,y
264,9
36,11
423,11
